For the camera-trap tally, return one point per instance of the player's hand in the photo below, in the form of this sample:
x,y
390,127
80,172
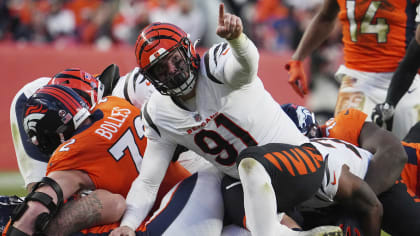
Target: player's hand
x,y
123,231
382,115
297,77
349,224
229,26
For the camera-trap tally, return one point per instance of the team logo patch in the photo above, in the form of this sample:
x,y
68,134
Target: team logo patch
x,y
197,117
65,117
157,54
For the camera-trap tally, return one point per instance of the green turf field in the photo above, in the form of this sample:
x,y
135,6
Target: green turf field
x,y
11,183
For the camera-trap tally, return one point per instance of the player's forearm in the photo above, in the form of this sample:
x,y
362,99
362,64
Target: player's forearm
x,y
243,66
405,73
139,201
368,207
98,208
316,33
380,180
388,154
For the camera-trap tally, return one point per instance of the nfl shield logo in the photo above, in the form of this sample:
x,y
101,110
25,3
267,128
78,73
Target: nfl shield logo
x,y
197,117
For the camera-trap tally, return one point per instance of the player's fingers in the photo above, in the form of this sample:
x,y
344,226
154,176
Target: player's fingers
x,y
304,87
226,22
295,87
238,25
221,13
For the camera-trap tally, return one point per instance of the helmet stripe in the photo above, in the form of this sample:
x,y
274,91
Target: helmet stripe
x,y
157,27
68,76
60,98
69,97
65,98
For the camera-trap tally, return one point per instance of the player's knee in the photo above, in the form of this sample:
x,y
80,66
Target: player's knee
x,y
247,165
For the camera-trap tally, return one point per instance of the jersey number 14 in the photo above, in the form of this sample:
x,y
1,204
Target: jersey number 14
x,y
381,28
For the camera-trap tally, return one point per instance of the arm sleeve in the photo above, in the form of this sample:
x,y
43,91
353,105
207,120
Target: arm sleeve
x,y
405,73
143,191
242,67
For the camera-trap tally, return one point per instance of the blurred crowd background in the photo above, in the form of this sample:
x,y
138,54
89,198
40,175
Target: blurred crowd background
x,y
40,37
274,25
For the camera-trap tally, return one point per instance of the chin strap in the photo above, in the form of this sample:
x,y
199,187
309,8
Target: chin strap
x,y
43,219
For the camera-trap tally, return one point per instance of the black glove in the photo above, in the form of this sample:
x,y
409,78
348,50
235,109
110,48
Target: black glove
x,y
382,115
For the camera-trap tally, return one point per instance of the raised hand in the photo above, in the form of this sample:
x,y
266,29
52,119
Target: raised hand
x,y
229,26
297,77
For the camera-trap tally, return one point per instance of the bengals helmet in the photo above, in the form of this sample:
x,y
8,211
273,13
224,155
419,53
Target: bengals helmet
x,y
51,116
154,43
87,86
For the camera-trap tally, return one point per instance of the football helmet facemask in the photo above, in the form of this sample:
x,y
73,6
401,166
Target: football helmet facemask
x,y
51,116
87,86
159,43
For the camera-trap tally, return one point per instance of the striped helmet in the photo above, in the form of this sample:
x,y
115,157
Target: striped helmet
x,y
155,42
51,116
87,86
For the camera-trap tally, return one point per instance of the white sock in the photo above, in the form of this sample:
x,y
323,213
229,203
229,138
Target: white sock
x,y
260,200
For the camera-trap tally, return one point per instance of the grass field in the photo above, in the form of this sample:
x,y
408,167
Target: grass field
x,y
11,183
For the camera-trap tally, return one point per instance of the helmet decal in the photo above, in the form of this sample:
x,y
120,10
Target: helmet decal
x,y
36,109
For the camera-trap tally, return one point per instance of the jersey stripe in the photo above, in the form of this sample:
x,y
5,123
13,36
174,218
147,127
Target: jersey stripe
x,y
149,120
126,89
411,153
283,159
68,102
208,73
273,160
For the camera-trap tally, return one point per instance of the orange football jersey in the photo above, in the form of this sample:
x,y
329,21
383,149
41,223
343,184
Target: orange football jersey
x,y
376,33
110,150
410,174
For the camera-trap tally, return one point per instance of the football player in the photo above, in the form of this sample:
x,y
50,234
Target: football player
x,y
401,81
102,149
215,106
31,161
375,36
399,198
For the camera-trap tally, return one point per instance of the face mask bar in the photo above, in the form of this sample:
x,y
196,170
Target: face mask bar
x,y
179,84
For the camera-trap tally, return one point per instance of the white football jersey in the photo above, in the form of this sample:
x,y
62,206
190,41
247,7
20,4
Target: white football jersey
x,y
134,88
226,120
336,154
